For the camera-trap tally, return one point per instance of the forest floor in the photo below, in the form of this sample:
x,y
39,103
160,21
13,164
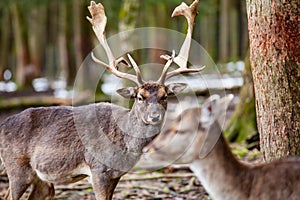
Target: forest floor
x,y
178,184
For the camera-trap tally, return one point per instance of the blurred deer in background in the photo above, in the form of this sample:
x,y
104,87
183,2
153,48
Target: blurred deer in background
x,y
195,138
49,145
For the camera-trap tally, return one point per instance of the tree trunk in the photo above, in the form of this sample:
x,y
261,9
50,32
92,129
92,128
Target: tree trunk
x,y
4,43
206,33
243,30
77,13
233,30
224,30
51,61
62,42
23,70
37,37
275,64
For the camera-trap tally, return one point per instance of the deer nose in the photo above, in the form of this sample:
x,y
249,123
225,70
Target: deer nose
x,y
156,119
155,116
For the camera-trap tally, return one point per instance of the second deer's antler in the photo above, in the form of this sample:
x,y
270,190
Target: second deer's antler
x,y
98,22
190,13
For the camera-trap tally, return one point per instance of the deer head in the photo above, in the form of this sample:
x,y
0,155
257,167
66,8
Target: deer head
x,y
150,96
191,135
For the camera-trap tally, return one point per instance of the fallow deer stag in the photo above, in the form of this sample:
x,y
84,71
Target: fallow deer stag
x,y
48,145
196,139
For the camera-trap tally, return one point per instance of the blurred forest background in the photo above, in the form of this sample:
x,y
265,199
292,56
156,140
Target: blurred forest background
x,y
50,38
44,42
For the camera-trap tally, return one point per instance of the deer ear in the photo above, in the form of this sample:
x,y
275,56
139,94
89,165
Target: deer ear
x,y
214,108
208,110
128,93
175,88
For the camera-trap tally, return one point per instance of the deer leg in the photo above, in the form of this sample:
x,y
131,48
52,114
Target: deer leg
x,y
42,190
104,186
20,176
17,186
113,185
6,196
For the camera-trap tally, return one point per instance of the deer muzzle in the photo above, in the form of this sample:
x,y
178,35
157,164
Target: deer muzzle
x,y
156,114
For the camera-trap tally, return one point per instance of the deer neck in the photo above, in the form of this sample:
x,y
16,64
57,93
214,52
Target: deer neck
x,y
119,140
139,133
221,174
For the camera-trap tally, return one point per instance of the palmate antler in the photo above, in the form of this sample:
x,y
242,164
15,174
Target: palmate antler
x,y
190,13
98,21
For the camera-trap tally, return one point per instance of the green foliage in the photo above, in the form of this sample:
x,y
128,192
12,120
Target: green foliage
x,y
128,13
112,9
239,149
168,2
242,124
205,6
208,7
24,4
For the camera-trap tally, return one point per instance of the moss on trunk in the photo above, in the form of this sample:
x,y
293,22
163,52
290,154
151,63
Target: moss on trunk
x,y
242,125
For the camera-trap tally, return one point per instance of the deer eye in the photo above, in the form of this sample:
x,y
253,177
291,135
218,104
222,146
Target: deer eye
x,y
140,98
164,97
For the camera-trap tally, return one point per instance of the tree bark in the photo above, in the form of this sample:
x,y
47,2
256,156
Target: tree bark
x,y
233,31
77,13
62,42
224,30
275,64
4,43
36,38
23,70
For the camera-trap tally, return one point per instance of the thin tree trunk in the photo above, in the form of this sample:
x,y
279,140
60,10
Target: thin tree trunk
x,y
243,30
206,33
159,12
224,31
36,37
52,48
62,42
233,32
275,64
77,12
22,68
212,45
4,50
